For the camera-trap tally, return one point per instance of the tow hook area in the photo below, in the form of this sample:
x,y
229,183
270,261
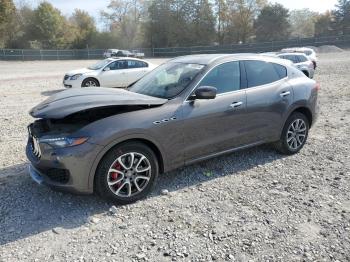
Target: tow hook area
x,y
35,175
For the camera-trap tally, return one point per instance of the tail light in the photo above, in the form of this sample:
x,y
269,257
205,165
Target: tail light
x,y
318,86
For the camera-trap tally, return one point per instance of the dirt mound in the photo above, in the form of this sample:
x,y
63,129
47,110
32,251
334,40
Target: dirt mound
x,y
326,49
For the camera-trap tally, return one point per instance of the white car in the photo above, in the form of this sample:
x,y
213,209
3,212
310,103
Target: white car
x,y
111,72
300,61
310,53
117,53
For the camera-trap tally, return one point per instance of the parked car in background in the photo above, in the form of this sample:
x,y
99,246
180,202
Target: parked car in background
x,y
301,61
117,53
111,72
309,52
115,142
138,54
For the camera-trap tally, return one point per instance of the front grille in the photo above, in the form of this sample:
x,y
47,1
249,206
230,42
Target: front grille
x,y
66,77
58,175
34,143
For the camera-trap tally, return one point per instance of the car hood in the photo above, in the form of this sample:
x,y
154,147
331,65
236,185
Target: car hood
x,y
80,71
72,101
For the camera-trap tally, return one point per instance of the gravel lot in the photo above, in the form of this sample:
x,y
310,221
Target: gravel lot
x,y
250,205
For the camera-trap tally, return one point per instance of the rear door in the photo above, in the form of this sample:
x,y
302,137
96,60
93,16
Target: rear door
x,y
269,95
136,70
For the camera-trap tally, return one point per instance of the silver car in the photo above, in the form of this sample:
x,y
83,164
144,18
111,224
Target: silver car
x,y
115,142
301,61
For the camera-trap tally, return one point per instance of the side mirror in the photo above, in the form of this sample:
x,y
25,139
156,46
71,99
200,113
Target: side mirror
x,y
106,69
205,92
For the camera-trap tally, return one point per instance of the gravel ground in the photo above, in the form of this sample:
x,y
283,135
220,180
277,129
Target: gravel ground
x,y
251,205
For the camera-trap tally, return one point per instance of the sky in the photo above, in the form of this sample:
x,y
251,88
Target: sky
x,y
95,6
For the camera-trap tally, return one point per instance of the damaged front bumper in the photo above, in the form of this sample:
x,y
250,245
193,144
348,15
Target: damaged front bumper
x,y
65,169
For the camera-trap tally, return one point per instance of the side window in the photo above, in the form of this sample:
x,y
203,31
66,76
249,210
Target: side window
x,y
302,59
281,70
225,78
142,64
132,64
260,73
121,64
296,59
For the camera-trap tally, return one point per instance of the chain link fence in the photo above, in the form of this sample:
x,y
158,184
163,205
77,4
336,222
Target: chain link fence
x,y
33,54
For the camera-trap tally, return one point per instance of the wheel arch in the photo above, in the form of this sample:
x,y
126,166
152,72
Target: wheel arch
x,y
148,142
305,111
306,72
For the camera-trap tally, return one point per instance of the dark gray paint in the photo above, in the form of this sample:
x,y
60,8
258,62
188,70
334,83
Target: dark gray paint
x,y
183,131
75,100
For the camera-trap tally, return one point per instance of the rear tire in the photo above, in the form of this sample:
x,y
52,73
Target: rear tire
x,y
127,173
90,82
294,134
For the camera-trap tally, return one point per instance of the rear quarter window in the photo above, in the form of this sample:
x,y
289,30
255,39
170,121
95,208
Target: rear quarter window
x,y
281,70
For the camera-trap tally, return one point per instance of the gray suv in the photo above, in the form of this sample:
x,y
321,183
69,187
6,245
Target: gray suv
x,y
115,142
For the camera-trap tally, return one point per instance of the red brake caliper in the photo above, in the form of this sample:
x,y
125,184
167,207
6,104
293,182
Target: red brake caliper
x,y
114,176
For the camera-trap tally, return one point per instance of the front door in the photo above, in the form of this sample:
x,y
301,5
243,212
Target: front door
x,y
116,75
212,126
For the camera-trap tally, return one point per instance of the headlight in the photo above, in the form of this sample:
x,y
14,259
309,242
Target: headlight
x,y
75,77
64,141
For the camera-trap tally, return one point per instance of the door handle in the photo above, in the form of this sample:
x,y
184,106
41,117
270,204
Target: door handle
x,y
236,104
284,94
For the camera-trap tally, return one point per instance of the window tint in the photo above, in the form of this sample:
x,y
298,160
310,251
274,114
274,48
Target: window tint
x,y
281,70
260,73
121,64
292,58
225,78
302,58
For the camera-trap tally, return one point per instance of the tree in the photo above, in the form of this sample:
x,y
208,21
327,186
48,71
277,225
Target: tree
x,y
302,23
324,25
204,23
50,28
342,17
272,23
84,28
123,19
7,21
221,12
242,14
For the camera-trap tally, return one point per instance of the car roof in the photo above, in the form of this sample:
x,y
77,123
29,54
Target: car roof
x,y
299,49
126,58
294,53
206,59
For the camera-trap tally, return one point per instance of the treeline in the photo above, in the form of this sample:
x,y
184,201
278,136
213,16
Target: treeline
x,y
165,23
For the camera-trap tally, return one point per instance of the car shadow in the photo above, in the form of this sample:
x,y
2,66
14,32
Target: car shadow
x,y
51,92
27,209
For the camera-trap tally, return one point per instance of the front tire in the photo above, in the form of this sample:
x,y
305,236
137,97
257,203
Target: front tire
x,y
127,173
294,134
90,82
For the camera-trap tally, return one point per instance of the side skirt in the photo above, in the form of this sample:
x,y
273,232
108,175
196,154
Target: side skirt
x,y
190,162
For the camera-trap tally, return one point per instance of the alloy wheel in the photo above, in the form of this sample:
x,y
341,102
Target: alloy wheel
x,y
296,134
129,174
90,83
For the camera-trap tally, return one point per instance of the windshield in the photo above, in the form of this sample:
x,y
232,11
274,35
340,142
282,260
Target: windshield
x,y
99,64
167,80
